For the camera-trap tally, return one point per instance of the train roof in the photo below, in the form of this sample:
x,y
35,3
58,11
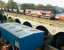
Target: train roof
x,y
19,30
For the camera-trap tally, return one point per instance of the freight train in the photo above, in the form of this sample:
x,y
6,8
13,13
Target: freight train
x,y
51,28
20,37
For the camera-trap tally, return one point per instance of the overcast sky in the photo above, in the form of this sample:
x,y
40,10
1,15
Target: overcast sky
x,y
59,3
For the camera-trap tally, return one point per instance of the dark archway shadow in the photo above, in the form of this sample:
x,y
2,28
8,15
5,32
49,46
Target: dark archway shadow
x,y
2,18
46,36
42,28
17,21
58,40
10,19
27,24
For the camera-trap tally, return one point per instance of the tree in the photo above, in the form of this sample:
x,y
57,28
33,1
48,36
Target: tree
x,y
2,4
12,5
27,6
40,6
49,7
52,9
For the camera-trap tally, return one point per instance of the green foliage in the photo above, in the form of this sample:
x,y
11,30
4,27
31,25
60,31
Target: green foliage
x,y
49,7
2,4
12,5
27,6
40,6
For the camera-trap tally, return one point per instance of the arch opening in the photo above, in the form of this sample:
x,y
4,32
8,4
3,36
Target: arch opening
x,y
27,24
10,19
17,21
42,28
2,18
58,40
5,18
46,35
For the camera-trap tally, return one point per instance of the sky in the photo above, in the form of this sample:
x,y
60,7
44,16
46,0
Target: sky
x,y
59,3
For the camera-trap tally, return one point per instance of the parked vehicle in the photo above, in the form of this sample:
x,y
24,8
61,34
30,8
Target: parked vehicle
x,y
59,16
